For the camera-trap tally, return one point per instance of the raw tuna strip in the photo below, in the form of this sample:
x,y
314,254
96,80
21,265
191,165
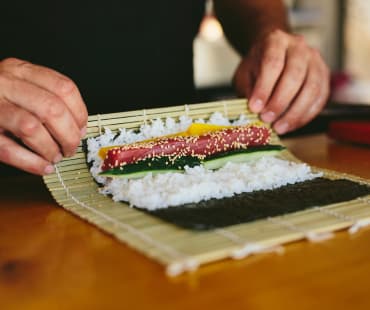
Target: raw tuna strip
x,y
195,129
200,146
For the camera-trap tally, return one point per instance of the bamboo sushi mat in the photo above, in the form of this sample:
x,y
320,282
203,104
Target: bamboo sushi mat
x,y
180,249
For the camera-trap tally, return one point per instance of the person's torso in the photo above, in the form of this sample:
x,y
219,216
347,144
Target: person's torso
x,y
123,55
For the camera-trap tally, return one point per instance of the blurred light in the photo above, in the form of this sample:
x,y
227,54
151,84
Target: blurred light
x,y
210,29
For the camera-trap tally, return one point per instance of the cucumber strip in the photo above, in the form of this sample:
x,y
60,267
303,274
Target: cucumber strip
x,y
116,173
217,163
153,165
166,164
254,149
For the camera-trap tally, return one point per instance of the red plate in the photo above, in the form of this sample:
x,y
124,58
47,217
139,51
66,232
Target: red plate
x,y
351,131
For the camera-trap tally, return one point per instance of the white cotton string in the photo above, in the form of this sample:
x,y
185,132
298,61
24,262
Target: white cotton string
x,y
99,125
357,223
335,214
182,266
230,235
225,109
248,248
365,200
186,107
255,248
361,223
144,117
309,235
184,263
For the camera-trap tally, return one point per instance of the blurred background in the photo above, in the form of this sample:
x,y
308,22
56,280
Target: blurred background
x,y
339,29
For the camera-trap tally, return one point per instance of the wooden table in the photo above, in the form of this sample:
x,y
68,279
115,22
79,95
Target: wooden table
x,y
49,259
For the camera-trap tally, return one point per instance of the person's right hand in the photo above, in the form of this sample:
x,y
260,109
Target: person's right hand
x,y
43,109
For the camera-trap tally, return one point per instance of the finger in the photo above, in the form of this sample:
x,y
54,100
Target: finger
x,y
242,80
47,107
29,129
322,99
53,82
271,66
308,103
14,155
289,84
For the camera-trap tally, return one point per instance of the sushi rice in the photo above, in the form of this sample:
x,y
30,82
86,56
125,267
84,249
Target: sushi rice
x,y
194,184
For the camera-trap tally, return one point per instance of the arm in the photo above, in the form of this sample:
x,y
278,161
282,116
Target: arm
x,y
244,21
286,81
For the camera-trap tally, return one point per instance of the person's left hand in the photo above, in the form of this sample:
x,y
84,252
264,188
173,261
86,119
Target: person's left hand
x,y
286,81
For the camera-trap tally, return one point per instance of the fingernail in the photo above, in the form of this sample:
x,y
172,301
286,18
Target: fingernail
x,y
256,105
281,128
49,169
83,132
268,117
57,158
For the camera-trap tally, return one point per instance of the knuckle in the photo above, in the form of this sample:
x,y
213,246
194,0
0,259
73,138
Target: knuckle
x,y
315,52
28,126
15,65
302,53
11,62
315,87
273,61
277,37
296,72
54,108
277,34
65,86
23,65
300,41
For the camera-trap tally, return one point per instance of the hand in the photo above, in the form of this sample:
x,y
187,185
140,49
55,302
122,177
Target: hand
x,y
286,81
44,110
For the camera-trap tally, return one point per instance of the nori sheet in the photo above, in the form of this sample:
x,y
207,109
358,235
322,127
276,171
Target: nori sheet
x,y
247,207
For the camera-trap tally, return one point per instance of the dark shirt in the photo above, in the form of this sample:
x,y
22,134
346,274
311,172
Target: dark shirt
x,y
123,55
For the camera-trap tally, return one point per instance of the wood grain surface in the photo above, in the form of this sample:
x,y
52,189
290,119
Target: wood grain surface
x,y
50,259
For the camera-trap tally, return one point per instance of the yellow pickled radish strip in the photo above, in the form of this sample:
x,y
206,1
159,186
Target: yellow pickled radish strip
x,y
195,129
198,129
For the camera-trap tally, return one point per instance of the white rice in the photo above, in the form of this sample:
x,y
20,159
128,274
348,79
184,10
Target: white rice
x,y
195,184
